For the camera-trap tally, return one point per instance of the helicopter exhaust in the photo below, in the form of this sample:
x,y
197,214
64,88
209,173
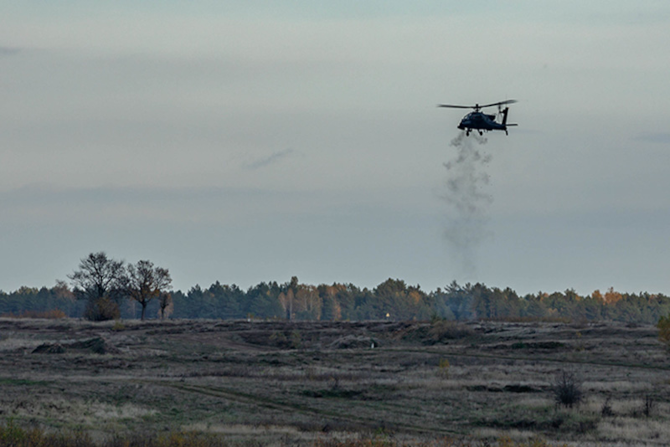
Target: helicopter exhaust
x,y
467,200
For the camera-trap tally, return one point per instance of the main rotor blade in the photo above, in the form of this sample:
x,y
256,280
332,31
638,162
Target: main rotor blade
x,y
455,107
501,103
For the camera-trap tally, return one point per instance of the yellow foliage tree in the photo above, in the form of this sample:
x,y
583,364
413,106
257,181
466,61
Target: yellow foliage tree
x,y
611,296
596,295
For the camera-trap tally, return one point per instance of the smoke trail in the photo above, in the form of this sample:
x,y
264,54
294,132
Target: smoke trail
x,y
466,199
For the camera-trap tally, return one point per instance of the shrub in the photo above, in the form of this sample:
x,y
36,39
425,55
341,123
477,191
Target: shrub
x,y
567,389
118,326
648,405
296,339
444,368
102,309
664,329
442,331
606,410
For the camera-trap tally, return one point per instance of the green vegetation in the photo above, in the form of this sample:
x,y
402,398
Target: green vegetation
x,y
392,300
105,289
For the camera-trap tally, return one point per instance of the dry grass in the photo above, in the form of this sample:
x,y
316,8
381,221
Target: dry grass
x,y
11,343
629,429
233,380
14,436
73,412
54,314
619,386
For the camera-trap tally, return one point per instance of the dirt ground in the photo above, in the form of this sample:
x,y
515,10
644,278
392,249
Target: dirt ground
x,y
289,383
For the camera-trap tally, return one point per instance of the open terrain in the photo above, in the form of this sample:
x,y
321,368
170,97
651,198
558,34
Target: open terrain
x,y
287,383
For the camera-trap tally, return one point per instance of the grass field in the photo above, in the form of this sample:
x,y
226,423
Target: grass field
x,y
307,383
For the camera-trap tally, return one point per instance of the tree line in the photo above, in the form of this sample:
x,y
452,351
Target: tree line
x,y
103,288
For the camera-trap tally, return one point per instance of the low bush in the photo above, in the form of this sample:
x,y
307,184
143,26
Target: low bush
x,y
648,405
102,309
606,410
449,330
664,329
437,332
567,389
444,366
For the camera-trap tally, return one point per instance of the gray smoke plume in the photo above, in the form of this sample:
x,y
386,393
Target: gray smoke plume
x,y
467,200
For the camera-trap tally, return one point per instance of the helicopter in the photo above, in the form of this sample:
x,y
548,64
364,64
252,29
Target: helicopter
x,y
483,122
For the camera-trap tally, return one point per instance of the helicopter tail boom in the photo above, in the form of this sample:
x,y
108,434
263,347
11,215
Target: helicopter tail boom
x,y
504,114
504,120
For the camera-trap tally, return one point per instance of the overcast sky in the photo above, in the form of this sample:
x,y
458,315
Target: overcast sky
x,y
249,141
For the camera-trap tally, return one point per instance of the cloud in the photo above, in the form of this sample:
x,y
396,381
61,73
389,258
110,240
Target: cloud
x,y
9,51
654,137
142,205
273,158
123,205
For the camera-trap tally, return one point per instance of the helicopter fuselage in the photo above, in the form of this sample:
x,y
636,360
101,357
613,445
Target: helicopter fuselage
x,y
483,122
480,121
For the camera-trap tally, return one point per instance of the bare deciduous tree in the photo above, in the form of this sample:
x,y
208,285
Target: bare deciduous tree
x,y
146,282
166,304
99,281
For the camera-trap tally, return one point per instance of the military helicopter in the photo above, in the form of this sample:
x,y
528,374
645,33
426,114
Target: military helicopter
x,y
482,122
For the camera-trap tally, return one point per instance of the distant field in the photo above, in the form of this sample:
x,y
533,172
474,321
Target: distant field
x,y
298,383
